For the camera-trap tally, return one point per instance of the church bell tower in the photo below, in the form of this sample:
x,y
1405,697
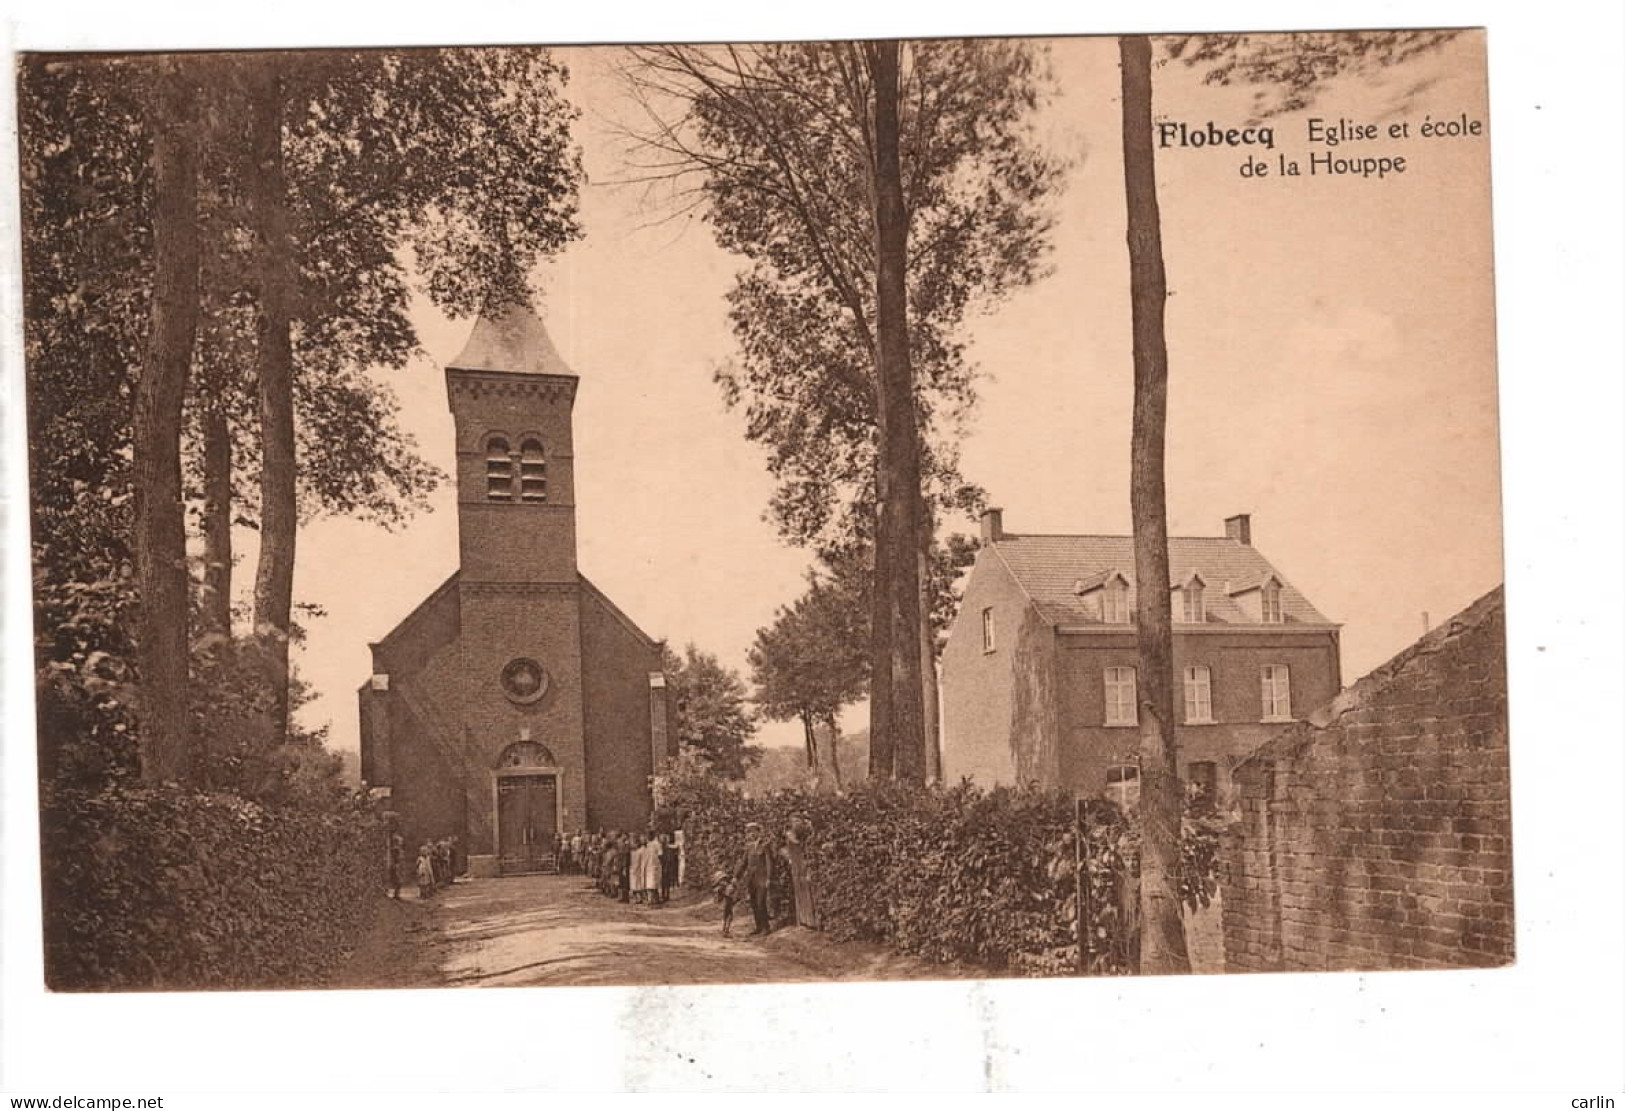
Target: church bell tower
x,y
511,399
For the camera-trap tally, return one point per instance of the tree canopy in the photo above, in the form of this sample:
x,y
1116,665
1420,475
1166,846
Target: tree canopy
x,y
713,714
877,192
812,661
774,145
367,174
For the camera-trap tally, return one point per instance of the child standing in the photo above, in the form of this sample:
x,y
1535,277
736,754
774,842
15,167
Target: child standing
x,y
727,893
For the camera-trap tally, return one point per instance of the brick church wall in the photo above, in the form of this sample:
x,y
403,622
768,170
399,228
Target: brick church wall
x,y
1378,835
440,722
615,667
426,792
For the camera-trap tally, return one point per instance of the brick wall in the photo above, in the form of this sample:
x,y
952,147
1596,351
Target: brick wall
x,y
1378,835
616,662
1234,661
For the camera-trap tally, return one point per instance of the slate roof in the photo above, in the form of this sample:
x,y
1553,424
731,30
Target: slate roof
x,y
512,339
1050,568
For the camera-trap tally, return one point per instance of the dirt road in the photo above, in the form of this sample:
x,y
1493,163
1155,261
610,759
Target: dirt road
x,y
539,930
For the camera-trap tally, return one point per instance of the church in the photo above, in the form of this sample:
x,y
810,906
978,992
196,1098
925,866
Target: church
x,y
516,703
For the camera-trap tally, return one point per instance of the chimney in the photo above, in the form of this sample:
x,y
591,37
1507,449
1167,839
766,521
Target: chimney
x,y
1239,528
992,525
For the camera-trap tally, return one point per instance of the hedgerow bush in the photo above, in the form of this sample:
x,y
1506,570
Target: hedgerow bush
x,y
162,888
950,874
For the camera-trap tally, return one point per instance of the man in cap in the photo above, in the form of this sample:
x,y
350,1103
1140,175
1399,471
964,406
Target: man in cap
x,y
756,873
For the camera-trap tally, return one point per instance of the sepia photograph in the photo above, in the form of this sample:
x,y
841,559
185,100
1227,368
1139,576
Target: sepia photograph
x,y
892,271
696,514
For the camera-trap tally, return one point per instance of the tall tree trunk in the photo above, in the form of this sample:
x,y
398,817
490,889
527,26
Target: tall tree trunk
x,y
899,431
826,771
273,581
882,746
928,649
216,608
830,754
160,525
1162,934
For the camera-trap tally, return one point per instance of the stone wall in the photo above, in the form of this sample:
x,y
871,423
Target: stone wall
x,y
1378,835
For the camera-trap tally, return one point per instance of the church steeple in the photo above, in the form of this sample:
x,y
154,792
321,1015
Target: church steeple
x,y
511,398
511,339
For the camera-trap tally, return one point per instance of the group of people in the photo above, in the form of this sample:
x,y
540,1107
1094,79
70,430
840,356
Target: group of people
x,y
434,869
641,868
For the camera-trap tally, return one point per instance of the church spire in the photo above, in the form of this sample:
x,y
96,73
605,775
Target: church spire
x,y
511,339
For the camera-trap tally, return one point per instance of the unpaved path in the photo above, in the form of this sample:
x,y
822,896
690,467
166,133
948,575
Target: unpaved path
x,y
541,930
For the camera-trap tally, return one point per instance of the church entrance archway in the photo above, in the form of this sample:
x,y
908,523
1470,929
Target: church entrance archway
x,y
529,820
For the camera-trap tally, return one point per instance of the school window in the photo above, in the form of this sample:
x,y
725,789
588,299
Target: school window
x,y
1277,684
1114,603
987,629
1271,602
1192,609
498,470
1123,784
1198,695
1120,696
532,472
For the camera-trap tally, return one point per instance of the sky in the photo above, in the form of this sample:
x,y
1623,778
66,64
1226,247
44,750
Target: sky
x,y
1331,373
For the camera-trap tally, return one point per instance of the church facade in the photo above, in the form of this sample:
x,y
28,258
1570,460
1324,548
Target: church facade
x,y
517,703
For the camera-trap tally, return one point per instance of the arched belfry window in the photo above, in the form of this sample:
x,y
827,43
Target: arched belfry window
x,y
532,472
498,470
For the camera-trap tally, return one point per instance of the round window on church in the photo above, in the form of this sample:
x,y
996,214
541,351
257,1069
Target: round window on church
x,y
524,681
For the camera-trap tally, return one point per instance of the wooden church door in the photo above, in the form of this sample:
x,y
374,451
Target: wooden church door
x,y
527,822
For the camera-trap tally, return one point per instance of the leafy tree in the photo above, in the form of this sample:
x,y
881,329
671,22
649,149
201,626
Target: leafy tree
x,y
1291,67
862,269
713,719
460,156
317,179
811,662
86,240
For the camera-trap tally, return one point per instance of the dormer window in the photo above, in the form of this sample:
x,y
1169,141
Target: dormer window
x,y
532,472
1192,609
1114,601
1270,602
498,470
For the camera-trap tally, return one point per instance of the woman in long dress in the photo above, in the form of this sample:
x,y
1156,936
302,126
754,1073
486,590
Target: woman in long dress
x,y
639,891
795,854
651,867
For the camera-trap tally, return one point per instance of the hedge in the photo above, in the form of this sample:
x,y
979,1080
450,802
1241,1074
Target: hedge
x,y
160,888
954,874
